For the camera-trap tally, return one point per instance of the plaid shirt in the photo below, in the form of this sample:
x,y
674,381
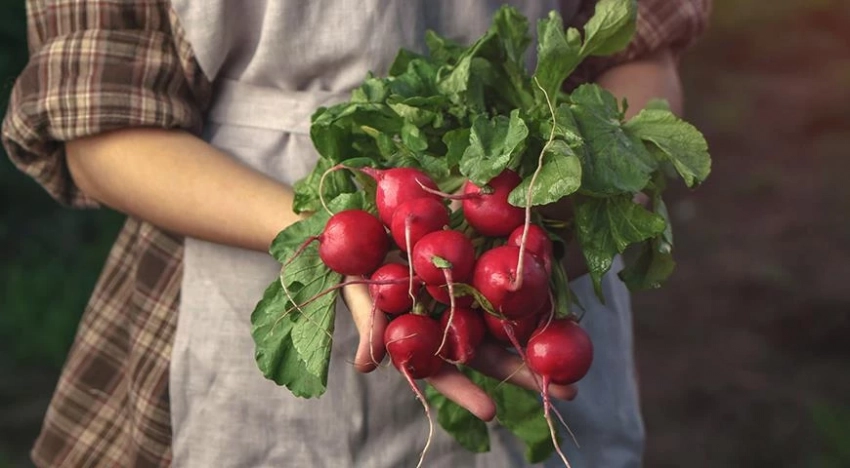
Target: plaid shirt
x,y
103,65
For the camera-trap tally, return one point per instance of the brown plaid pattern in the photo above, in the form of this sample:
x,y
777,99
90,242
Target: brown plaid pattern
x,y
98,66
102,65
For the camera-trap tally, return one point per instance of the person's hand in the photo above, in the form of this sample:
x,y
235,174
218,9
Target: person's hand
x,y
490,359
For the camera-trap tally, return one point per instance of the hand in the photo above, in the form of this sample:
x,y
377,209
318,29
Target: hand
x,y
491,359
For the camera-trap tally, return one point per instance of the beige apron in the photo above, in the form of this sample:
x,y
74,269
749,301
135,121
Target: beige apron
x,y
273,63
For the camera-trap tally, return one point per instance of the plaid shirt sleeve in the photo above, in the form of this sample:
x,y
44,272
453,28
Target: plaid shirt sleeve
x,y
661,24
97,66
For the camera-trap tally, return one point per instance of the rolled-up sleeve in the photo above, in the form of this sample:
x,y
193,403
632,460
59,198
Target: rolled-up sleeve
x,y
661,24
97,66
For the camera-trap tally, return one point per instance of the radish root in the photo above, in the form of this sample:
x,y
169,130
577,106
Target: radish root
x,y
450,283
547,404
427,407
371,334
409,261
524,238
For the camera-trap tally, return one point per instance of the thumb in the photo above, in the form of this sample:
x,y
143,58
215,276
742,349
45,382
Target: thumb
x,y
370,324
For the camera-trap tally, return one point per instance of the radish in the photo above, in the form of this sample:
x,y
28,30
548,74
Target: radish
x,y
396,186
522,328
354,242
464,334
561,352
412,342
441,252
440,293
443,257
415,218
393,297
490,214
496,277
537,242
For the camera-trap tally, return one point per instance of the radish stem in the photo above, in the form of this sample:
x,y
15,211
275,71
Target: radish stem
x,y
453,196
519,268
334,288
450,283
409,261
546,405
322,184
286,292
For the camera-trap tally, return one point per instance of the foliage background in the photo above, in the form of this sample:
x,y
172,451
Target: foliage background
x,y
744,357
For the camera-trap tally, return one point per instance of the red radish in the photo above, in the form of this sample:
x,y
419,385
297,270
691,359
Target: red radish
x,y
440,293
393,297
495,276
412,342
490,213
441,258
396,186
561,352
443,246
464,334
415,218
522,328
537,242
354,242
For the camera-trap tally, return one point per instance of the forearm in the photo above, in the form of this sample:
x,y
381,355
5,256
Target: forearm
x,y
182,184
640,81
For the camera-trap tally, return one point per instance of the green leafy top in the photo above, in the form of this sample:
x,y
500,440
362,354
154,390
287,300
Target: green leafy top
x,y
469,112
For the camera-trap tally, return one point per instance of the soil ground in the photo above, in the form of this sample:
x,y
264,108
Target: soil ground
x,y
751,336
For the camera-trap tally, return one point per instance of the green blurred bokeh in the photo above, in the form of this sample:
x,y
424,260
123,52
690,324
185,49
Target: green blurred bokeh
x,y
51,257
743,356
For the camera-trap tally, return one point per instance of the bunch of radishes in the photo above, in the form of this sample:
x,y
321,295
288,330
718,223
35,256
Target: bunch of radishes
x,y
505,295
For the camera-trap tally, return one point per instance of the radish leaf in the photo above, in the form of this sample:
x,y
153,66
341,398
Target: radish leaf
x,y
610,28
293,344
557,54
492,145
612,162
678,141
519,411
606,226
307,189
559,176
654,262
468,430
280,363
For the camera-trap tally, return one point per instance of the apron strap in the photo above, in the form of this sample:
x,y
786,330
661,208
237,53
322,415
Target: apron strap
x,y
247,105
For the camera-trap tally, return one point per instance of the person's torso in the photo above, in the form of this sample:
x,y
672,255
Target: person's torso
x,y
272,62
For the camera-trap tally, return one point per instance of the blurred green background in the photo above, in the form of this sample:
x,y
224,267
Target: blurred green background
x,y
744,357
50,257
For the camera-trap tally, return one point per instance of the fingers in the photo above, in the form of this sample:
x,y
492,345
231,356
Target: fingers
x,y
458,388
490,359
503,365
370,325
